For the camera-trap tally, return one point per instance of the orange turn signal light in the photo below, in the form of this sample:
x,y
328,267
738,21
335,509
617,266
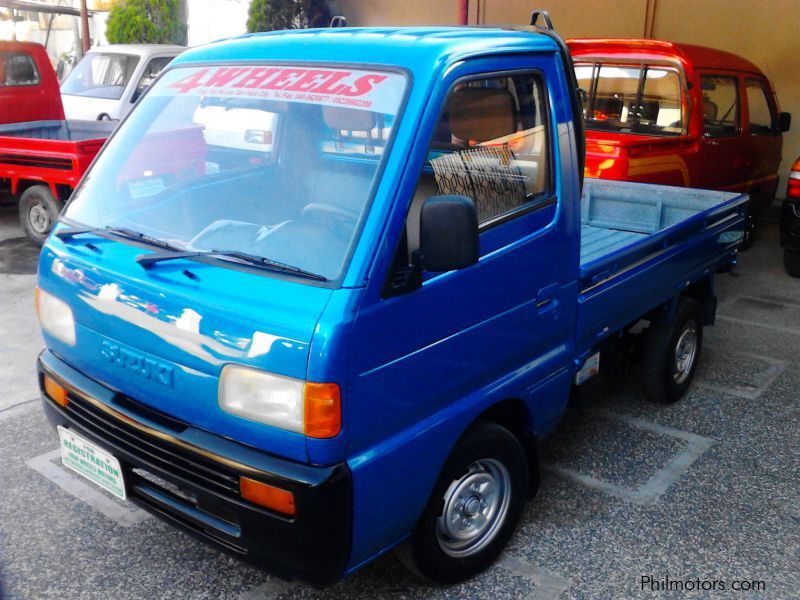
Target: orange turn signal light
x,y
323,410
56,392
268,496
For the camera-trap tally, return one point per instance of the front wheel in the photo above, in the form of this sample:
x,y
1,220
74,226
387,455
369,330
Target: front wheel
x,y
475,507
671,353
38,212
791,260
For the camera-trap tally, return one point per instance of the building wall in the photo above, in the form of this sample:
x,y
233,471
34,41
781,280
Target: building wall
x,y
763,31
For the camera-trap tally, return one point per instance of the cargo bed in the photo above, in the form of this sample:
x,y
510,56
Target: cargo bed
x,y
46,160
637,238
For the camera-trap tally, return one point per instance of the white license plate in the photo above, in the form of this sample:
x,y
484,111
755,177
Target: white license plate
x,y
94,463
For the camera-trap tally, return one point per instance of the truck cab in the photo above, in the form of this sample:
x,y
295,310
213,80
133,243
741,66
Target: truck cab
x,y
677,114
340,328
28,84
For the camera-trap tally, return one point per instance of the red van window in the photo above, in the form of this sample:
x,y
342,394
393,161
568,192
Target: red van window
x,y
761,117
720,106
631,99
17,69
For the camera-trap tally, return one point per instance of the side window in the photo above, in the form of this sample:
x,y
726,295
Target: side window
x,y
720,106
18,70
490,144
761,117
149,75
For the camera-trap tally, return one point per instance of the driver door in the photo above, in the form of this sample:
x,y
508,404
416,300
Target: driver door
x,y
722,152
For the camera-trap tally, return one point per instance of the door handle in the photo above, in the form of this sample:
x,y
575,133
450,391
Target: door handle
x,y
545,300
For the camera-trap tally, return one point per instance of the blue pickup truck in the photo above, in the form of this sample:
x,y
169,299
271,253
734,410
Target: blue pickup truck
x,y
322,292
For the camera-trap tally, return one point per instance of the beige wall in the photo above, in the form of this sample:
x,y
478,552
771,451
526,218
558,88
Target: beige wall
x,y
763,31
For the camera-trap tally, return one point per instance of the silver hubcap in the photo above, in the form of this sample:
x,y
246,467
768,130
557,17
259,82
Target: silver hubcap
x,y
685,353
40,220
475,508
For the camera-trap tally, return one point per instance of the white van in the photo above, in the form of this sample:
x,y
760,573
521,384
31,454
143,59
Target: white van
x,y
108,81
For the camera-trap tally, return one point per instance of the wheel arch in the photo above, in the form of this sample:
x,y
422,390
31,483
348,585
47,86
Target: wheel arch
x,y
516,416
703,292
20,186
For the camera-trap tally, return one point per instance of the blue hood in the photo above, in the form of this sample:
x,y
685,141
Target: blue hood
x,y
161,336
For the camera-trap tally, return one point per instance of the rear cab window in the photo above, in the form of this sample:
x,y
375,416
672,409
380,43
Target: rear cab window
x,y
17,69
638,99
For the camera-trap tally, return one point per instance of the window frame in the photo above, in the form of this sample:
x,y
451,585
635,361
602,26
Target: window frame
x,y
541,200
767,93
31,60
347,260
597,62
738,93
136,93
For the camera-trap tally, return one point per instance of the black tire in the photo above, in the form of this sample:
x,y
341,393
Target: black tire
x,y
38,212
429,553
666,379
791,260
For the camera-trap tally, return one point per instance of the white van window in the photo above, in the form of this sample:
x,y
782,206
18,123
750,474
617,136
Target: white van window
x,y
100,75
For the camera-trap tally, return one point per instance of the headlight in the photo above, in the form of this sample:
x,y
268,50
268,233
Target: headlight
x,y
55,317
262,397
292,404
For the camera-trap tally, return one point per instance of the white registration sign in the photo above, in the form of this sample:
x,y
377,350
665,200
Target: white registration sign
x,y
94,463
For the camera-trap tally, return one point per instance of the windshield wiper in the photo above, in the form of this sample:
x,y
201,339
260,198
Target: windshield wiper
x,y
66,234
148,260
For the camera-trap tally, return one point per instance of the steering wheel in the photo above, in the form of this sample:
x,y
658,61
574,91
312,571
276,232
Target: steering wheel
x,y
330,216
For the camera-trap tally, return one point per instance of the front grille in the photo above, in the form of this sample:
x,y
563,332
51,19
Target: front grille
x,y
153,451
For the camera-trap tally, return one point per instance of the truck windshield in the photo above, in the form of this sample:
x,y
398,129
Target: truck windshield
x,y
275,162
100,75
631,99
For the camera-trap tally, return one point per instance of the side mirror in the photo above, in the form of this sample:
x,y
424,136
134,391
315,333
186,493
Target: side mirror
x,y
784,122
448,233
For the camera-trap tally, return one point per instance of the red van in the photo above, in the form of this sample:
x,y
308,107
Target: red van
x,y
28,85
677,114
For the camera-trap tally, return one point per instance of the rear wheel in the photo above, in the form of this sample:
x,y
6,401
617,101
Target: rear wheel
x,y
671,353
791,260
475,507
38,212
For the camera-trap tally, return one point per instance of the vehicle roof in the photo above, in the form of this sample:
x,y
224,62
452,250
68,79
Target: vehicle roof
x,y
419,49
12,45
139,49
697,56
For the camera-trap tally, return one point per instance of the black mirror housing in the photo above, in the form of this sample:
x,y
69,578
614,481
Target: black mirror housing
x,y
448,233
784,122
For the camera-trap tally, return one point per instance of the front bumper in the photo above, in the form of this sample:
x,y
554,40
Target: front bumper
x,y
790,224
190,478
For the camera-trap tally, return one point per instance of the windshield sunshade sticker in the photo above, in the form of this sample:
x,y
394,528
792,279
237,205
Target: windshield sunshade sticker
x,y
365,90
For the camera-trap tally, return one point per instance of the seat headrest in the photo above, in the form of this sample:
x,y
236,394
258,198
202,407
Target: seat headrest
x,y
710,109
348,119
482,114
